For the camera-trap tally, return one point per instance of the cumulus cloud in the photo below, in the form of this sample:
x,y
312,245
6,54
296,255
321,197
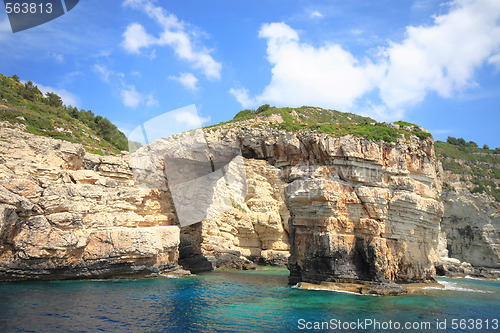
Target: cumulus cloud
x,y
242,95
5,26
441,57
175,34
135,37
304,75
131,97
495,60
188,80
128,93
316,14
104,73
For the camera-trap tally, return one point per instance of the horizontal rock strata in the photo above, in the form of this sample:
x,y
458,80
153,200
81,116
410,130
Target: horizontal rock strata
x,y
65,213
359,210
333,209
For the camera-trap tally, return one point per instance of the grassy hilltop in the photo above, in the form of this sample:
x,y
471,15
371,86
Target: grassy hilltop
x,y
24,104
478,167
335,123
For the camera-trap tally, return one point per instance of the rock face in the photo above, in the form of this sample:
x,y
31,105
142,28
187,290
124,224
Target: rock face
x,y
255,229
472,225
332,209
359,210
68,214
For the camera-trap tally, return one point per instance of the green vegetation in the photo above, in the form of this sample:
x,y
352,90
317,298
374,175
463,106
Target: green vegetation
x,y
404,123
333,122
466,158
467,152
244,115
263,108
47,116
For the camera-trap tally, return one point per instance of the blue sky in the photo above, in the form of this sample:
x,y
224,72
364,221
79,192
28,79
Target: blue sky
x,y
434,63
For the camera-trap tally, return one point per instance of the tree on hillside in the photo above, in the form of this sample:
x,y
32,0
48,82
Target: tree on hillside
x,y
30,91
15,77
263,108
486,147
53,99
460,142
73,111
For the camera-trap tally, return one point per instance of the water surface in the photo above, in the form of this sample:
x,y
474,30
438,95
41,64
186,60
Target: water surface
x,y
233,301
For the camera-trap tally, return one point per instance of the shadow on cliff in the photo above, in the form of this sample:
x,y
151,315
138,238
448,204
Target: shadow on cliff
x,y
190,255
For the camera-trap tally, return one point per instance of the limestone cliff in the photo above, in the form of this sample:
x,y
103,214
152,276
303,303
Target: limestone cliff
x,y
359,209
333,207
471,220
65,213
256,229
472,224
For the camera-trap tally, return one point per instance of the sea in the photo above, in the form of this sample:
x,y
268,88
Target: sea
x,y
241,301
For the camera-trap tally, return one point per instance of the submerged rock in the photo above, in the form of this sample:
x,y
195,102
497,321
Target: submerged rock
x,y
370,288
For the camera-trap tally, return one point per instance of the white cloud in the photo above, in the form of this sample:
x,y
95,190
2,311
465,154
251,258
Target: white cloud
x,y
5,27
495,60
136,37
242,95
152,55
58,57
303,75
441,58
151,101
423,4
174,34
441,131
67,97
129,95
104,53
103,72
316,14
188,80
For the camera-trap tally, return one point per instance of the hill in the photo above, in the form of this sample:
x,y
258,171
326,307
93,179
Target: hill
x,y
24,105
478,168
335,123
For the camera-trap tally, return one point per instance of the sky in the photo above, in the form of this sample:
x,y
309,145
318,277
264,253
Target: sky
x,y
429,62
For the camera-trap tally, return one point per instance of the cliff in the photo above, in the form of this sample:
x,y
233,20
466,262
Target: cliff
x,y
471,222
66,213
344,208
359,209
334,207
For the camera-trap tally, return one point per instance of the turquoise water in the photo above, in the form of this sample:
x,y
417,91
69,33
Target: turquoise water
x,y
230,301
